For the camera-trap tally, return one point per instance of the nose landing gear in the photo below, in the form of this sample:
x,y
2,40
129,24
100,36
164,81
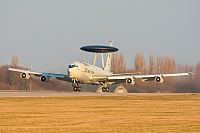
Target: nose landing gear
x,y
77,89
75,86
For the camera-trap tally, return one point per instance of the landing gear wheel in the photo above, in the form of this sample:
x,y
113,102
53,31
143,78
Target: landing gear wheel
x,y
75,89
103,89
107,89
79,89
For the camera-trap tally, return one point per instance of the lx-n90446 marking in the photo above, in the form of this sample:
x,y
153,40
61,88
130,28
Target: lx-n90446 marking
x,y
84,73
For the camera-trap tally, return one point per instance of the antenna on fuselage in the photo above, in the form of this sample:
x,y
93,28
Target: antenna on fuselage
x,y
99,49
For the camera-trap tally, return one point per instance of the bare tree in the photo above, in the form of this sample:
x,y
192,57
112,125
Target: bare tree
x,y
118,63
14,61
197,76
152,65
140,63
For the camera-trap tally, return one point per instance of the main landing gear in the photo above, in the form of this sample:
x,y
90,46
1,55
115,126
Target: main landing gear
x,y
105,89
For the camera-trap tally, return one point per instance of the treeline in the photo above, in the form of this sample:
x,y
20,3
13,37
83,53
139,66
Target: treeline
x,y
159,65
11,80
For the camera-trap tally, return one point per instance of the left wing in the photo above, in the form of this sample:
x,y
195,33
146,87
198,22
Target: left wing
x,y
159,77
44,76
130,78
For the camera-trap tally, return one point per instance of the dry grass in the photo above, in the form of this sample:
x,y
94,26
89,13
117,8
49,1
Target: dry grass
x,y
101,114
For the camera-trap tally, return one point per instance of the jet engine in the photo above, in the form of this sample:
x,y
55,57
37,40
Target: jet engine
x,y
130,80
25,75
159,79
44,78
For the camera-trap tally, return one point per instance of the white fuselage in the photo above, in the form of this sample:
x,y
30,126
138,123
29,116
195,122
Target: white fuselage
x,y
83,72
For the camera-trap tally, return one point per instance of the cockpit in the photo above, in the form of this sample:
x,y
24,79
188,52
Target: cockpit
x,y
72,66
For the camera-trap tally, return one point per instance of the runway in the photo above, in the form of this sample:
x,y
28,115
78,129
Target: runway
x,y
54,94
4,94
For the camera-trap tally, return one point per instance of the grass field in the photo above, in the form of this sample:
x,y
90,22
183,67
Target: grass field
x,y
168,113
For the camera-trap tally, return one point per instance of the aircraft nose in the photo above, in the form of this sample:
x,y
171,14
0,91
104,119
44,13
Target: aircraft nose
x,y
70,72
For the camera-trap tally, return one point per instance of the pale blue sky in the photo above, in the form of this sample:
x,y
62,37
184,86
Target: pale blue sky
x,y
49,33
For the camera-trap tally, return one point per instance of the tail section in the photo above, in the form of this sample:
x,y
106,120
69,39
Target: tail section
x,y
109,58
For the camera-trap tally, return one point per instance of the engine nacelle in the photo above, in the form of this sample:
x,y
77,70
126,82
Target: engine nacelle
x,y
159,79
44,78
130,80
25,76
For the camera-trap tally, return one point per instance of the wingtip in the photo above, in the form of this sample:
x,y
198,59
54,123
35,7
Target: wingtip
x,y
191,73
9,68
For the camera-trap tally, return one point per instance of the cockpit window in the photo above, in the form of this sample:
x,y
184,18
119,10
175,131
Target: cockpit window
x,y
72,66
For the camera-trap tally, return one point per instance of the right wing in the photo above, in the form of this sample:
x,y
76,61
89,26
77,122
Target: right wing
x,y
44,76
23,71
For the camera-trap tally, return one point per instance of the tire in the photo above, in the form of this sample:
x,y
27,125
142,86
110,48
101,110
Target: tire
x,y
75,89
107,89
79,89
103,89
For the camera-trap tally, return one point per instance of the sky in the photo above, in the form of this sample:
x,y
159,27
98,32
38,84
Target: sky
x,y
48,34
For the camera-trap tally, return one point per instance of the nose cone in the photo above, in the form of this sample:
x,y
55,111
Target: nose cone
x,y
70,72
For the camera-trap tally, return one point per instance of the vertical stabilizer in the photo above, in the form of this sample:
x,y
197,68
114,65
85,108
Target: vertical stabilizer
x,y
109,58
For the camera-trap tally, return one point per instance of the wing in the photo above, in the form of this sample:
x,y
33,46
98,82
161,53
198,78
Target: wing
x,y
46,75
23,71
130,78
159,77
163,75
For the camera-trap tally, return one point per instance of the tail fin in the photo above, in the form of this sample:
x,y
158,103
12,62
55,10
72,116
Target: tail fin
x,y
109,58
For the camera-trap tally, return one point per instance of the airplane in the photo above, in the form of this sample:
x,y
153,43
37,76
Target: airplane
x,y
85,73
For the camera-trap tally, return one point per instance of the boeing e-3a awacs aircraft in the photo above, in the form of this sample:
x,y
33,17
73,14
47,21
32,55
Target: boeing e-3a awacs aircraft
x,y
84,73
